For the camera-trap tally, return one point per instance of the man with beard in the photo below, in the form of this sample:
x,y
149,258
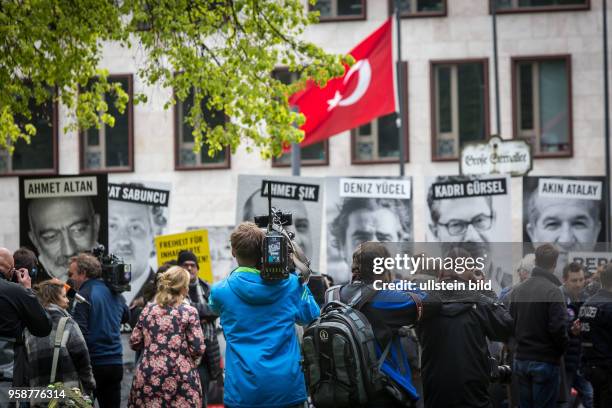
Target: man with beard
x,y
60,228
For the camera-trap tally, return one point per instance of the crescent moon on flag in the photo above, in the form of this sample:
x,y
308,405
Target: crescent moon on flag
x,y
365,75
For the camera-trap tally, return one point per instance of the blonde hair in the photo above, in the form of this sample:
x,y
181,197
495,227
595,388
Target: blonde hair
x,y
49,291
171,285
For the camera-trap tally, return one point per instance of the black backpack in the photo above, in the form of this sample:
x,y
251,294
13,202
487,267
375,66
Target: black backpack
x,y
340,364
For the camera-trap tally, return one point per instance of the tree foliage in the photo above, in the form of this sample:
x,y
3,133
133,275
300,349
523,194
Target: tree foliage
x,y
223,51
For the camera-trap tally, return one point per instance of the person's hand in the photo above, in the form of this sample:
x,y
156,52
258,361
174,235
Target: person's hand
x,y
138,302
576,326
23,278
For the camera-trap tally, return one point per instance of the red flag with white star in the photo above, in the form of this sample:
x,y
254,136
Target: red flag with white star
x,y
364,93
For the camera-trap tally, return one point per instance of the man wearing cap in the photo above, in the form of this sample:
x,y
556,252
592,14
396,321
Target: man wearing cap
x,y
199,292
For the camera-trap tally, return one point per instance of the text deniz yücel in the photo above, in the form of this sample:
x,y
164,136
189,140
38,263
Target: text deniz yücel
x,y
382,188
470,188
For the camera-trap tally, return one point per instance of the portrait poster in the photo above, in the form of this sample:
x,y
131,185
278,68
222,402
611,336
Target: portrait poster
x,y
300,196
566,211
364,209
61,216
221,259
475,211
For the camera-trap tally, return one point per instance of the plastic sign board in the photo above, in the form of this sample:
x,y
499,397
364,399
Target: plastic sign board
x,y
168,247
496,156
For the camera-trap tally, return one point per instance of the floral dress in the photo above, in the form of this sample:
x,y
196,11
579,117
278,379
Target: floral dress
x,y
172,342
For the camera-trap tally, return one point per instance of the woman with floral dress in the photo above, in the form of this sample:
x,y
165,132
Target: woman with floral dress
x,y
169,334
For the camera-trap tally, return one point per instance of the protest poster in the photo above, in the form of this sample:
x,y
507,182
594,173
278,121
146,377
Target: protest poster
x,y
168,247
221,257
566,211
364,209
137,213
60,217
300,196
590,260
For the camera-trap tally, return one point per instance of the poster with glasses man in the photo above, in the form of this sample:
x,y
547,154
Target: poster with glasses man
x,y
137,212
300,196
566,211
60,217
360,210
475,211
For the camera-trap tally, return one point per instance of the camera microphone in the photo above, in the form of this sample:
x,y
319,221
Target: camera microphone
x,y
73,294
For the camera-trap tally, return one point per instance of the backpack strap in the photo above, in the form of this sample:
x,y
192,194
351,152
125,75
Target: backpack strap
x,y
59,341
418,302
332,294
363,296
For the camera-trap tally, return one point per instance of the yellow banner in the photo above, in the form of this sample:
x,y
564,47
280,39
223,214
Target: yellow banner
x,y
168,247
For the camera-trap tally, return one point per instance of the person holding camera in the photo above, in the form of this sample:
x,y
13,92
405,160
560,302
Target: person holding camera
x,y
100,322
456,365
20,309
258,317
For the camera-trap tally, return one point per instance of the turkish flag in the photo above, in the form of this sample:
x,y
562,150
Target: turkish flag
x,y
364,93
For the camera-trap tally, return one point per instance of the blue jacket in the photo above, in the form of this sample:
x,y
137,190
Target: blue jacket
x,y
101,322
262,359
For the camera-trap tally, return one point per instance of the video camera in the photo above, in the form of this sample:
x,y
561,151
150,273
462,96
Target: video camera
x,y
116,274
280,254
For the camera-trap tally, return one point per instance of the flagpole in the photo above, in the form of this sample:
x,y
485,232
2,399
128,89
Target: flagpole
x,y
295,159
493,4
400,89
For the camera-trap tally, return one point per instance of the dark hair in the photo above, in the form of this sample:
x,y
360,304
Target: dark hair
x,y
571,267
434,211
340,224
87,264
25,258
606,277
247,240
363,262
546,256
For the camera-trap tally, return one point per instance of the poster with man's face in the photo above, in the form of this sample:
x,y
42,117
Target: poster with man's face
x,y
566,211
364,209
137,212
220,250
60,217
474,211
300,196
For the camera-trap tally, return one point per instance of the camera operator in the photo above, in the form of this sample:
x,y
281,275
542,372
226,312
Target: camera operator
x,y
596,327
100,322
258,317
456,365
387,311
20,309
199,294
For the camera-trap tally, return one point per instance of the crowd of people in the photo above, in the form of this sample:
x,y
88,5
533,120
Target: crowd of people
x,y
540,343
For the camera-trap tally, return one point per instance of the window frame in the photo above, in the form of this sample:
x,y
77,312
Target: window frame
x,y
514,62
541,9
427,14
55,136
226,164
303,162
335,19
406,135
129,109
433,103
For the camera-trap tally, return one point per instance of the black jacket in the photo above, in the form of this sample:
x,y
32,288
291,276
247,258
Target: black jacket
x,y
596,318
574,350
540,318
455,358
20,309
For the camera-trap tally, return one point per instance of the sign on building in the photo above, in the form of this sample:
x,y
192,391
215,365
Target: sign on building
x,y
496,156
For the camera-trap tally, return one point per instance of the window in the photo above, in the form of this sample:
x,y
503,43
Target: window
x,y
110,149
334,10
314,155
378,141
513,6
542,111
460,105
40,156
420,8
186,159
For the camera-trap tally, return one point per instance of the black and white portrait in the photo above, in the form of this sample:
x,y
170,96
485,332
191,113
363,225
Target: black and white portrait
x,y
137,212
300,196
364,209
474,211
566,211
60,217
221,258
